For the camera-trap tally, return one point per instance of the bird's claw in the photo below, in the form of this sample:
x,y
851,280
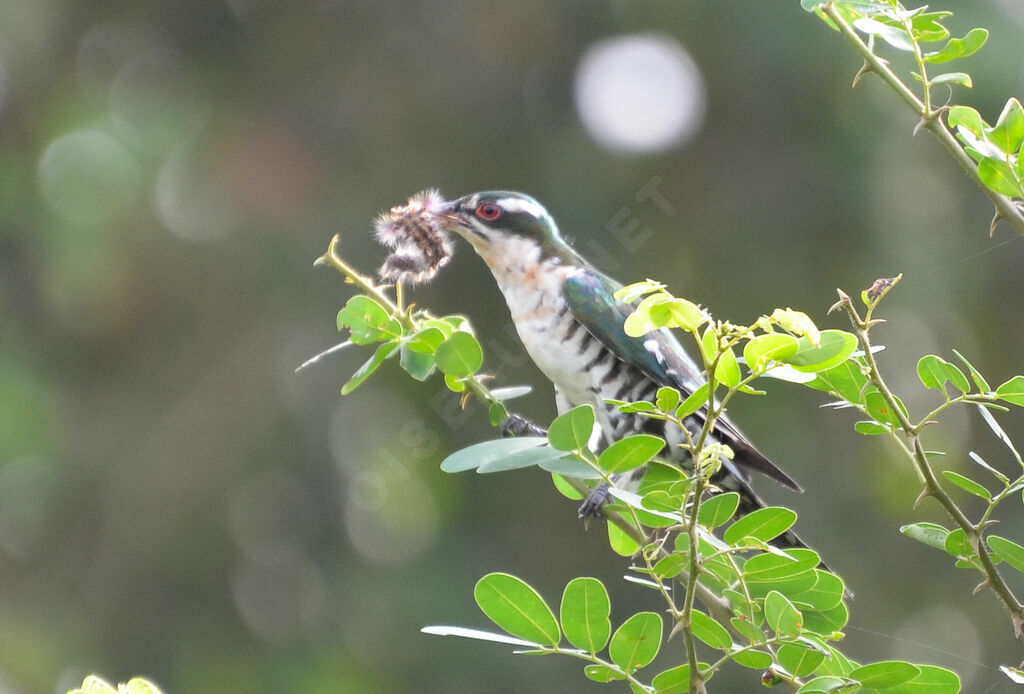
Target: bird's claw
x,y
594,503
518,425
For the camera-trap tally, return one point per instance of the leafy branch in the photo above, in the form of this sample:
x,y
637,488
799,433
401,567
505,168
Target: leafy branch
x,y
990,155
762,608
891,417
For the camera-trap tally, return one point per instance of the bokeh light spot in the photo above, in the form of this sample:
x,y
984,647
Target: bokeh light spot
x,y
106,48
280,602
191,203
154,100
640,93
391,516
87,176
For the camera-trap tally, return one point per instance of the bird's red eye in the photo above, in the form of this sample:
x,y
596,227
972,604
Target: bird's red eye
x,y
488,211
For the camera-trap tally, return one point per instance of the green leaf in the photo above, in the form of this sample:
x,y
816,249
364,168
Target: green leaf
x,y
894,36
673,681
980,462
996,174
775,567
637,641
685,315
826,593
709,631
517,608
602,673
930,534
632,292
927,26
845,380
621,543
427,340
879,408
885,674
460,355
630,453
572,430
478,454
539,456
798,660
835,347
727,371
569,466
870,428
754,659
496,413
784,576
771,347
367,320
959,48
958,545
828,621
670,566
961,78
967,484
1007,550
781,615
956,377
371,365
564,488
836,664
966,117
95,685
763,524
584,614
667,399
1012,391
718,509
138,685
1008,132
695,401
743,626
824,685
1016,676
931,680
979,380
931,370
419,365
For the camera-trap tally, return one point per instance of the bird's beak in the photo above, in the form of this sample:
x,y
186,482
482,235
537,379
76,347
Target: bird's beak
x,y
453,218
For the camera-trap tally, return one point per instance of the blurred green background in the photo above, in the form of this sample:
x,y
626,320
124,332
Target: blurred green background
x,y
176,502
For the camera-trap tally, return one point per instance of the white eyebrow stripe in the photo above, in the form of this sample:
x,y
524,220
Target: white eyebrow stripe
x,y
521,205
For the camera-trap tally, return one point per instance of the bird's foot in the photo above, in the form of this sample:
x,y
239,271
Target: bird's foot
x,y
518,425
594,503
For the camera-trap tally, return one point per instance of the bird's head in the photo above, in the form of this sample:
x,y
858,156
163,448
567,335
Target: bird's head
x,y
500,224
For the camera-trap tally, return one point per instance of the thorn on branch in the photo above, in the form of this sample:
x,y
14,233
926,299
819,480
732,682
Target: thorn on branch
x,y
925,493
996,218
844,300
864,69
981,586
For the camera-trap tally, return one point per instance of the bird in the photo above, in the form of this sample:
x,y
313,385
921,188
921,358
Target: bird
x,y
571,325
